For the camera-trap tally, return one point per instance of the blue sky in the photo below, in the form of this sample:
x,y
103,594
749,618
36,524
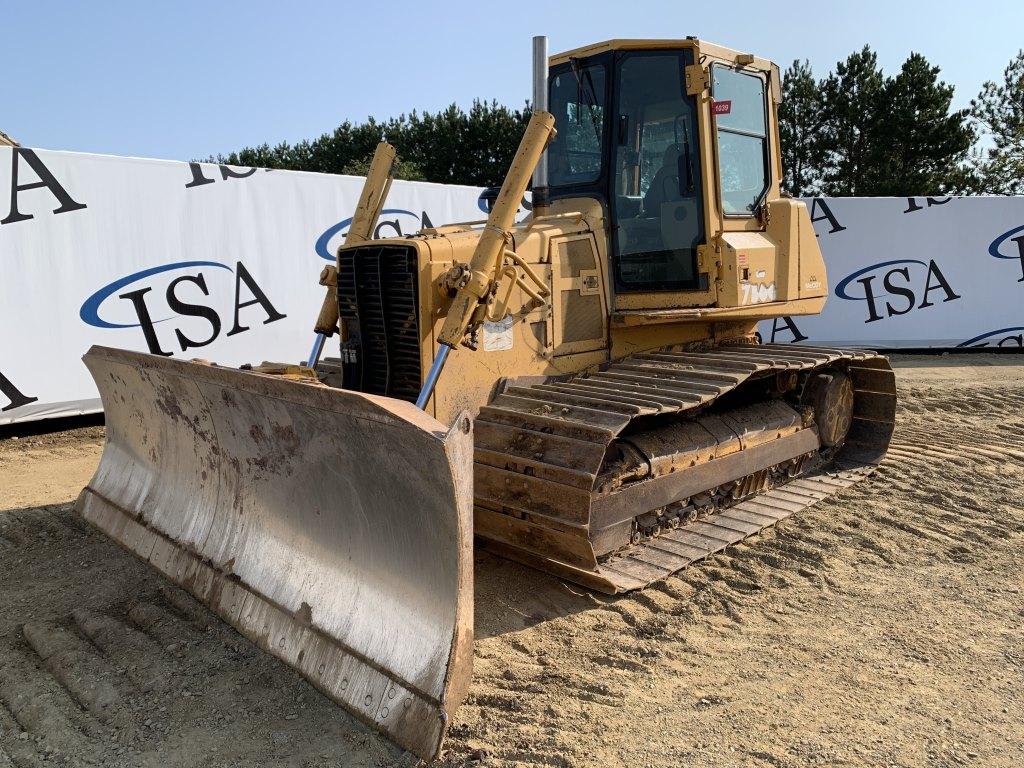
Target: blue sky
x,y
188,79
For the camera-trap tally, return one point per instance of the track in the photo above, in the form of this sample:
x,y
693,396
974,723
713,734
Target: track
x,y
542,456
884,626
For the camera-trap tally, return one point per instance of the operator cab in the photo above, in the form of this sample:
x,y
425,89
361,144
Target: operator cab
x,y
630,135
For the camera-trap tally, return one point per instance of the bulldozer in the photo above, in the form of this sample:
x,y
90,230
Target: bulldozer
x,y
582,390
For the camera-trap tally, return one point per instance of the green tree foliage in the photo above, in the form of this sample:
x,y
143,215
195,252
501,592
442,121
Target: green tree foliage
x,y
922,147
999,110
861,133
800,116
852,100
403,169
450,147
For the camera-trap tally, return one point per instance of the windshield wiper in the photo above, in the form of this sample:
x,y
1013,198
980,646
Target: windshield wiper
x,y
688,158
574,64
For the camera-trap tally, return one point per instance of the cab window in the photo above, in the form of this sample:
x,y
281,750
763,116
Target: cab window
x,y
656,193
740,118
577,99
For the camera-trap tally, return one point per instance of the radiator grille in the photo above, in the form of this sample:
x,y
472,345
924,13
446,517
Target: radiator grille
x,y
378,301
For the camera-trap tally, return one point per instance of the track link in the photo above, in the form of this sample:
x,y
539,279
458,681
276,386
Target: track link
x,y
541,447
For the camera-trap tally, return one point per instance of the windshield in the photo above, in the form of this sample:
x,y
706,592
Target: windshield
x,y
657,187
577,100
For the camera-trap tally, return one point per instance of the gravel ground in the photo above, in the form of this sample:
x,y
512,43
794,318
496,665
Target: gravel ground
x,y
884,627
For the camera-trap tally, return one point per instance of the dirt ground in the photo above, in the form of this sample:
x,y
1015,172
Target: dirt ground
x,y
884,627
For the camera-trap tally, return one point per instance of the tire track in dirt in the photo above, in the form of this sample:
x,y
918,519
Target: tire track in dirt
x,y
104,663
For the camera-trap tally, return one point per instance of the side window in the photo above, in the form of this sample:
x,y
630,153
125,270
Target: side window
x,y
577,102
739,108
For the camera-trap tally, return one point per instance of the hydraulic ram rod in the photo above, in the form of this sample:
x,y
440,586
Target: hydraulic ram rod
x,y
485,266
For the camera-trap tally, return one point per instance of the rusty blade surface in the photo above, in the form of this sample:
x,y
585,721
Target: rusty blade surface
x,y
332,528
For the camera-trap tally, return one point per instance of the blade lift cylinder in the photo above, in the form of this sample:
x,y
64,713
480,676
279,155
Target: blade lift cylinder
x,y
481,276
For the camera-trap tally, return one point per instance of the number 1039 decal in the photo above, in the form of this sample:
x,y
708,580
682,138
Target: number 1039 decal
x,y
756,293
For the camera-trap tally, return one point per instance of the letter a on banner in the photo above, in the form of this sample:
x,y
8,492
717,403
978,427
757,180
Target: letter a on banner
x,y
16,396
259,297
46,179
826,214
788,326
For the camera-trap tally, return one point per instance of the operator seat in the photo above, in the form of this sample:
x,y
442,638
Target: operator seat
x,y
665,184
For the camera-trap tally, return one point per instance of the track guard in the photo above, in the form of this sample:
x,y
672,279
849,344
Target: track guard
x,y
332,528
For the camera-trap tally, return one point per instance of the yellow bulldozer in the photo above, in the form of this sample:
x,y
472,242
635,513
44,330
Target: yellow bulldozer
x,y
582,390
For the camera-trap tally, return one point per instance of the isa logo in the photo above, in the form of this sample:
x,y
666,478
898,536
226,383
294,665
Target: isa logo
x,y
1011,338
394,222
897,287
191,298
1010,245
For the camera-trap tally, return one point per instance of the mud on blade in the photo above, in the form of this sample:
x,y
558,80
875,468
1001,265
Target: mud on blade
x,y
332,528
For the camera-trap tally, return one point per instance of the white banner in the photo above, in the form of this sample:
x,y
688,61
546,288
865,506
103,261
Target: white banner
x,y
219,262
916,272
184,259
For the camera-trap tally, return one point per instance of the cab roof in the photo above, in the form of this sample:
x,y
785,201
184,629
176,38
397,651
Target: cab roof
x,y
705,48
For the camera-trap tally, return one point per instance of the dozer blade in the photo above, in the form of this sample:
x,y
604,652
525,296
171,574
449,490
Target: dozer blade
x,y
332,528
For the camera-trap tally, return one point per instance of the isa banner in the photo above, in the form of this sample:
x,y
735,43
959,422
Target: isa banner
x,y
184,259
916,272
219,262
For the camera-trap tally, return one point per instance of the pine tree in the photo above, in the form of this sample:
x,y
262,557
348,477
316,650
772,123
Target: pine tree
x,y
852,103
800,116
921,147
999,110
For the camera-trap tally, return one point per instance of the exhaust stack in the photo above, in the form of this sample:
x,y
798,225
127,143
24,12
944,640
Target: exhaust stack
x,y
540,104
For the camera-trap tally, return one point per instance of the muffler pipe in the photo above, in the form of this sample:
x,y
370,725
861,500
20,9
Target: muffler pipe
x,y
540,104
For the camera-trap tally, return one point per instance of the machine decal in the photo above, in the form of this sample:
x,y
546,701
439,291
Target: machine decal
x,y
498,336
757,293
